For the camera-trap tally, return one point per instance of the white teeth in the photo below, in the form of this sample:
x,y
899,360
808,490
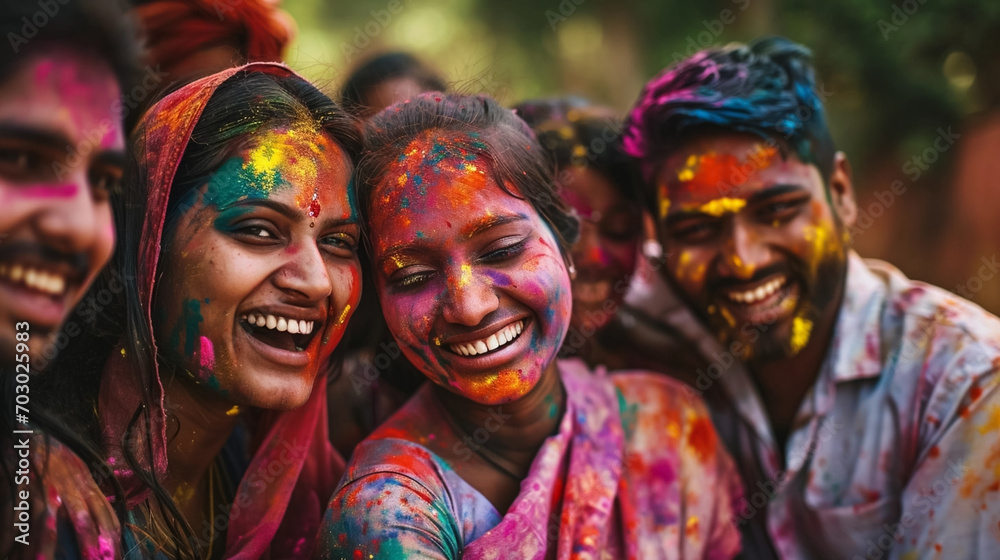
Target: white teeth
x,y
282,324
38,280
761,293
490,343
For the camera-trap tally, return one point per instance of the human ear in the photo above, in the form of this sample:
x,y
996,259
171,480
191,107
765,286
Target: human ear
x,y
842,190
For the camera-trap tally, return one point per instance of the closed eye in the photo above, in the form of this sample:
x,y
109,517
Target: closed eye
x,y
782,210
503,253
695,231
411,277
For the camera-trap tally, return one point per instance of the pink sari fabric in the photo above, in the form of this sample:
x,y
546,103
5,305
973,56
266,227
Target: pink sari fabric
x,y
641,473
635,471
296,441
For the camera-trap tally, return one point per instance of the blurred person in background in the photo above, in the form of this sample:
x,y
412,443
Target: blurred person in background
x,y
860,405
387,79
189,39
599,183
62,151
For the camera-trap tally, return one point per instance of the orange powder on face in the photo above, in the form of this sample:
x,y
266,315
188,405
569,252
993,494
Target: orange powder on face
x,y
712,172
507,382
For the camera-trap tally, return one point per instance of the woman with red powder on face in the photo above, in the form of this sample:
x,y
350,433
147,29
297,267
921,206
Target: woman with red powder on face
x,y
237,247
507,451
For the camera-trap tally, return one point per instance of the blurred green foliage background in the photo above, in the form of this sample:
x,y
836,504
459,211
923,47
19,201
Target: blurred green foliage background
x,y
895,72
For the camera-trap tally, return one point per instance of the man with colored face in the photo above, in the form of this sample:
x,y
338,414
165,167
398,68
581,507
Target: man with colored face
x,y
861,406
62,150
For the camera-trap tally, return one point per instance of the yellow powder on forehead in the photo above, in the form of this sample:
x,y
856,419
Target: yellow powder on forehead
x,y
269,160
721,206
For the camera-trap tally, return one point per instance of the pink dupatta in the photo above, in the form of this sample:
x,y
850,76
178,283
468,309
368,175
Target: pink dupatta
x,y
296,441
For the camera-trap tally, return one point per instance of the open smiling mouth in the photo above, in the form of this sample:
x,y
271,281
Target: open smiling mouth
x,y
293,335
41,280
492,343
762,302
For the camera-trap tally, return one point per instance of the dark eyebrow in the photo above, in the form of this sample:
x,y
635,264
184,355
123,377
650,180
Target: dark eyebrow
x,y
490,222
34,135
291,212
774,190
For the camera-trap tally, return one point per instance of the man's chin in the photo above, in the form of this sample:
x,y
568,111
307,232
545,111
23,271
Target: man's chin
x,y
758,345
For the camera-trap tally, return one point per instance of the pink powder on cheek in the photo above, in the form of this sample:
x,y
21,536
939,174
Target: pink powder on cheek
x,y
207,354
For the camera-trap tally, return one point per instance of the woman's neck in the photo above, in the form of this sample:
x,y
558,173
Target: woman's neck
x,y
198,425
516,429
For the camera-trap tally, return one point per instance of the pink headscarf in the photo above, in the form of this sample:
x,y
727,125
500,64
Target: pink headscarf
x,y
296,440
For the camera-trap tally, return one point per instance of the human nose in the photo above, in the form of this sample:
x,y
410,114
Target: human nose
x,y
471,297
744,252
306,273
69,223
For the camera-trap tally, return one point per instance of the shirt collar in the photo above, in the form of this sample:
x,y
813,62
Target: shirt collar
x,y
856,349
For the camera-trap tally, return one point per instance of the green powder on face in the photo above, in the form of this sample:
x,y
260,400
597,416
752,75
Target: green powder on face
x,y
237,180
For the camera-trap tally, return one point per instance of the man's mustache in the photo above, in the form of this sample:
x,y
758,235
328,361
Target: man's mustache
x,y
75,265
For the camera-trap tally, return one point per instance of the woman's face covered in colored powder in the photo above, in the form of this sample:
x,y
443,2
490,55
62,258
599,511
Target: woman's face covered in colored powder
x,y
471,281
260,273
753,242
606,251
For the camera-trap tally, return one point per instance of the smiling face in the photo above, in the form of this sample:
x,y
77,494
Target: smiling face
x,y
260,273
606,251
752,241
471,281
61,153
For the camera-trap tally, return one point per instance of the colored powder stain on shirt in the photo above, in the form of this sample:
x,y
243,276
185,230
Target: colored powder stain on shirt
x,y
702,438
993,422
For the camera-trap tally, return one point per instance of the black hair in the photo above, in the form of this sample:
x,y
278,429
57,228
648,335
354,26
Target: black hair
x,y
382,68
577,133
246,103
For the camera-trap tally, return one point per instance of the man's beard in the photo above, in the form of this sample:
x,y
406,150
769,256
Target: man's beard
x,y
766,342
